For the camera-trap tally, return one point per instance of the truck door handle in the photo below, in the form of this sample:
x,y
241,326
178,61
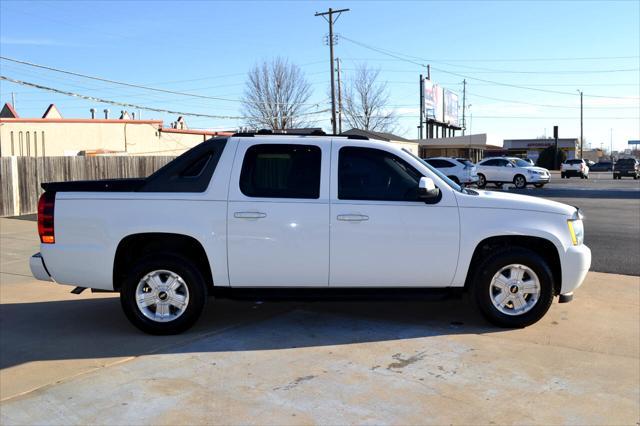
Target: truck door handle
x,y
353,217
249,215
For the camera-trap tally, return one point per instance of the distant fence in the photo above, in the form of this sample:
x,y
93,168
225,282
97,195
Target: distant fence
x,y
21,176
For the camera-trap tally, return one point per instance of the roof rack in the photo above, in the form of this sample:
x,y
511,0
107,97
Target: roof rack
x,y
263,132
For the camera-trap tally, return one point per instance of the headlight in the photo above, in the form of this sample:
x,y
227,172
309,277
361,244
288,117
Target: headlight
x,y
534,172
576,230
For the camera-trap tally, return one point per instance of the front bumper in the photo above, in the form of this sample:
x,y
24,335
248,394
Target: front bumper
x,y
575,265
38,268
538,178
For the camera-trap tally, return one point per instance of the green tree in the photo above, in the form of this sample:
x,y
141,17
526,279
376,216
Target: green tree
x,y
546,158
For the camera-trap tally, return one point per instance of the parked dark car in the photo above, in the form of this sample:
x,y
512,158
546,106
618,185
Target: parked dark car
x,y
626,167
602,166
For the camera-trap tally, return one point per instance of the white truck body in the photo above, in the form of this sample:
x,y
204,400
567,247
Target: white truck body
x,y
321,243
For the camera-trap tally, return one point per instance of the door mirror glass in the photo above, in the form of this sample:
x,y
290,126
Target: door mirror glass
x,y
427,189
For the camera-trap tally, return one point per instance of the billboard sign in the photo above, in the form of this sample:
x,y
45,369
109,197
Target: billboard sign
x,y
432,100
450,108
440,104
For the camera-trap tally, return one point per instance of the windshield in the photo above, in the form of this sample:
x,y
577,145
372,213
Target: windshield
x,y
521,163
448,181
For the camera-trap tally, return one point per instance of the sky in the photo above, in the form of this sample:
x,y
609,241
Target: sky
x,y
524,62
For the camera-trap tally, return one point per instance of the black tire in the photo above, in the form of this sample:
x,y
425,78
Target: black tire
x,y
192,278
481,287
538,185
562,175
455,179
482,181
519,181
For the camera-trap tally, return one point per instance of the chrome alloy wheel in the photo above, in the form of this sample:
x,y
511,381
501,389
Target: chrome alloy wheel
x,y
514,290
162,296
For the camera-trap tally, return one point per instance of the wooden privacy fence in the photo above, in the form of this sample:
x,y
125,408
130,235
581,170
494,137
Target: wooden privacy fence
x,y
21,176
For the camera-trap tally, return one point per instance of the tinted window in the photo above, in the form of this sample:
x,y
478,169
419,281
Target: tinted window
x,y
440,164
281,171
522,163
373,174
574,161
490,163
190,172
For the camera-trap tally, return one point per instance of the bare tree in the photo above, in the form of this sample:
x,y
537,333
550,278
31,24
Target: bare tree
x,y
365,102
276,96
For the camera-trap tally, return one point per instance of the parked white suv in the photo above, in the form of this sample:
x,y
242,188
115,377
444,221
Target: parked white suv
x,y
500,170
301,216
459,170
574,167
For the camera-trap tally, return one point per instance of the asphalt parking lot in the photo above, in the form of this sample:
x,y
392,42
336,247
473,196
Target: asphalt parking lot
x,y
67,359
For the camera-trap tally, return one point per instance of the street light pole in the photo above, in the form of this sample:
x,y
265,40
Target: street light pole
x,y
581,127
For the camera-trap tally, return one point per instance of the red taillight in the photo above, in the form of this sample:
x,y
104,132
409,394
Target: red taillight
x,y
46,206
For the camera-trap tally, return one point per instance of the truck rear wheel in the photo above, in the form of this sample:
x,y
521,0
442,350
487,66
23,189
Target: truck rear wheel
x,y
513,288
163,294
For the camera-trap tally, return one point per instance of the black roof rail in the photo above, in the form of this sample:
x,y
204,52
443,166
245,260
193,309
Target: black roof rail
x,y
313,133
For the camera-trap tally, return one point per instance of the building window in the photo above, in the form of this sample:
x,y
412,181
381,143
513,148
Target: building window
x,y
12,147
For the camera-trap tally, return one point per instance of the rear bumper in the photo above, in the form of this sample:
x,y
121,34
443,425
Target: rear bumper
x,y
625,172
38,268
575,265
574,173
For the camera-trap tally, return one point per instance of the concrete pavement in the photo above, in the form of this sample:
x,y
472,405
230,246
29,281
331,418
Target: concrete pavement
x,y
69,359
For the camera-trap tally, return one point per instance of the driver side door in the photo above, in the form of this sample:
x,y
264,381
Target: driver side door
x,y
381,235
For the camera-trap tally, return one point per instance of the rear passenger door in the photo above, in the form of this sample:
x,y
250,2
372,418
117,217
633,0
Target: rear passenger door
x,y
278,214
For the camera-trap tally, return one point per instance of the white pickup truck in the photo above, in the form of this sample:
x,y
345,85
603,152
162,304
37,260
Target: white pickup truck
x,y
289,213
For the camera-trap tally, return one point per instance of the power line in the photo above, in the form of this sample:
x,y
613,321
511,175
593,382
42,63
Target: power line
x,y
405,58
584,58
511,101
129,105
139,86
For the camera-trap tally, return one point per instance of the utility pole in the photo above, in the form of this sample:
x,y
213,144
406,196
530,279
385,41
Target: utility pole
x,y
339,98
428,71
581,127
464,102
331,21
421,107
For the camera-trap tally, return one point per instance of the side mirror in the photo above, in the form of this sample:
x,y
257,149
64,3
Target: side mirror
x,y
427,189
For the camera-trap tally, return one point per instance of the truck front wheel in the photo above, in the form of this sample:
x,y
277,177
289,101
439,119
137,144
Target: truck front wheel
x,y
513,288
163,294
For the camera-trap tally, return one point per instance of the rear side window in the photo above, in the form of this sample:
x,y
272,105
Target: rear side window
x,y
490,163
439,164
374,174
190,172
281,171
